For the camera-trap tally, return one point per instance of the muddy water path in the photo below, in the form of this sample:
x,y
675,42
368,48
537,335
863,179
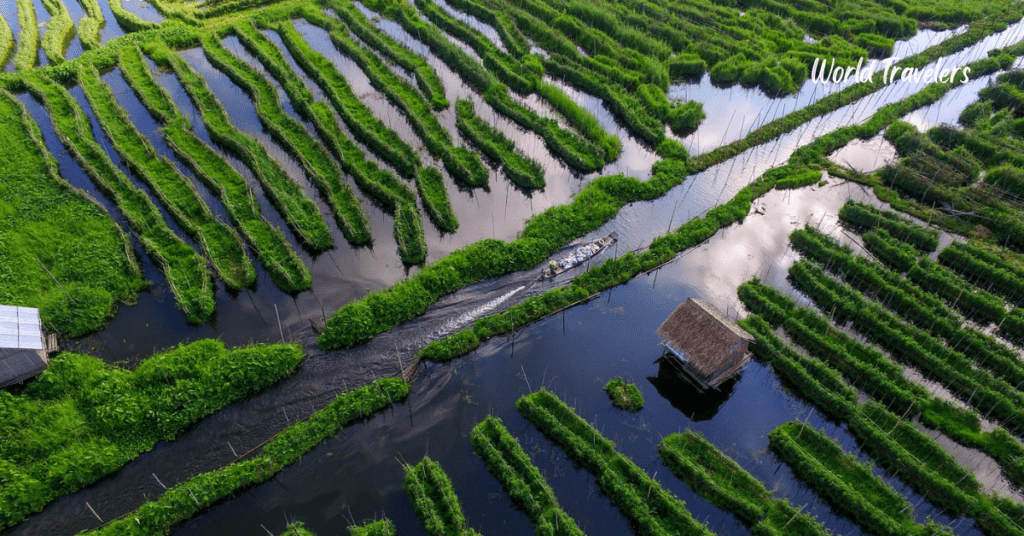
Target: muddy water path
x,y
573,353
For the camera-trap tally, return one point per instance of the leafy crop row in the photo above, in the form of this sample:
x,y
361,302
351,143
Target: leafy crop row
x,y
434,500
59,31
299,211
519,168
869,217
268,242
430,184
642,499
28,36
509,463
722,482
187,273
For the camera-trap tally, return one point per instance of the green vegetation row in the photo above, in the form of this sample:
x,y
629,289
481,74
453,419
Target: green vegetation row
x,y
624,395
848,485
378,183
322,170
648,506
365,126
868,217
614,271
268,242
898,446
129,22
82,419
60,29
462,164
187,274
921,308
985,268
426,78
299,211
978,387
519,168
523,77
6,42
893,442
28,36
880,377
218,240
89,25
574,150
430,184
199,492
863,367
432,496
509,463
62,253
722,482
383,527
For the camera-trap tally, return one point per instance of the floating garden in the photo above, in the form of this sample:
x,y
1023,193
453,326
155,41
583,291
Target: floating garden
x,y
208,154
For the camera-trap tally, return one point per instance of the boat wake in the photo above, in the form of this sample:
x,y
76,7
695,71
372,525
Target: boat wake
x,y
468,317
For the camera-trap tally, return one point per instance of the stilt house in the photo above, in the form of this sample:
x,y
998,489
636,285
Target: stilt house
x,y
705,346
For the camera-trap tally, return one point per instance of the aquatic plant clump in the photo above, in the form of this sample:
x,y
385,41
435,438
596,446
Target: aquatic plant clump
x,y
624,395
519,168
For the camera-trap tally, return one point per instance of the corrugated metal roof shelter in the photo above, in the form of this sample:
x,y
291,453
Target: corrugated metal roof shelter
x,y
24,346
710,348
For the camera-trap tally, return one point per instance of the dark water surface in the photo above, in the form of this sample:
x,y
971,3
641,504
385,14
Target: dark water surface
x,y
357,474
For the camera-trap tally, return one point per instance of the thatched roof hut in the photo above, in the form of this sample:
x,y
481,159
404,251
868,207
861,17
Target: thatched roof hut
x,y
24,346
709,347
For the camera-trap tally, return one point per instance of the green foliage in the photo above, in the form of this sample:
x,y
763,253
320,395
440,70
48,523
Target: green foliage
x,y
455,345
642,499
175,192
322,170
384,527
61,253
412,246
187,274
60,29
519,168
28,36
434,499
6,42
509,463
430,184
624,395
268,242
198,493
868,217
299,211
686,65
129,22
90,24
81,419
684,118
985,268
848,485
